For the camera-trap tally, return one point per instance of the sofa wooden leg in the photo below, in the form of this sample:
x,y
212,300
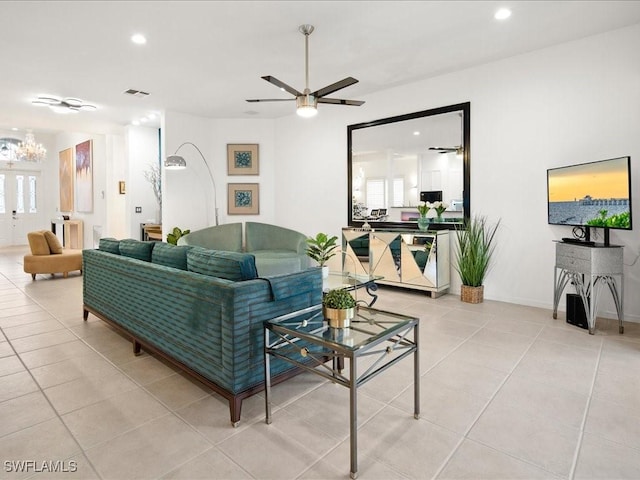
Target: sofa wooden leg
x,y
137,348
235,405
85,314
65,274
33,276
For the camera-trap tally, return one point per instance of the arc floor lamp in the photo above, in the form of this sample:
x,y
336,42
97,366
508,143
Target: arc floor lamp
x,y
177,162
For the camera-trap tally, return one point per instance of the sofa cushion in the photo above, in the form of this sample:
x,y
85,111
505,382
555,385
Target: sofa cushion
x,y
170,255
54,244
38,243
226,237
110,245
228,265
136,249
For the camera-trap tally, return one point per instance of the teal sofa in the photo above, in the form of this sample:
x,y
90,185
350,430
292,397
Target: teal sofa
x,y
201,309
277,250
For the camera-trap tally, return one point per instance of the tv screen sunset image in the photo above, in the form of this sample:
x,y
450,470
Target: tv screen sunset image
x,y
594,194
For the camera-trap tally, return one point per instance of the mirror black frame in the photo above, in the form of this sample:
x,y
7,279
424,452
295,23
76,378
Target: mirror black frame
x,y
465,108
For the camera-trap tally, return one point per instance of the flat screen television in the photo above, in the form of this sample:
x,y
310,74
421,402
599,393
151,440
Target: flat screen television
x,y
594,194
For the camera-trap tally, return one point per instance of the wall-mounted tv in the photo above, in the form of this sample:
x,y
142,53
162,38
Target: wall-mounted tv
x,y
595,194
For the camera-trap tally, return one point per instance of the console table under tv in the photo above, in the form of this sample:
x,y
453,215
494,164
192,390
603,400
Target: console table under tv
x,y
589,268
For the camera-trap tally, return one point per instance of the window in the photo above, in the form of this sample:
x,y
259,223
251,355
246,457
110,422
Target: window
x,y
376,193
398,192
32,195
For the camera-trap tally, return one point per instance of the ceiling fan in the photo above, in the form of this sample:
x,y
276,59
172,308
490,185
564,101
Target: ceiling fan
x,y
307,101
457,150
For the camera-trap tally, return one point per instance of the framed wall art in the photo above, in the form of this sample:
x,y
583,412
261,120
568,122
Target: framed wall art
x,y
66,180
84,177
242,159
243,198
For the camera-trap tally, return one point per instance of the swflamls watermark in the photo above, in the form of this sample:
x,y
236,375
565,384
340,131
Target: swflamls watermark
x,y
39,466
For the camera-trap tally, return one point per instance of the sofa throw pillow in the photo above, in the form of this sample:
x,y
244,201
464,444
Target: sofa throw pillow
x,y
54,243
174,256
110,245
38,243
228,265
136,249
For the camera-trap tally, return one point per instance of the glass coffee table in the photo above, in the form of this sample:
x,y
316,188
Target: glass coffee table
x,y
353,282
304,339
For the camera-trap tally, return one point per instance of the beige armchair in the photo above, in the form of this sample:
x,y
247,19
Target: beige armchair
x,y
48,256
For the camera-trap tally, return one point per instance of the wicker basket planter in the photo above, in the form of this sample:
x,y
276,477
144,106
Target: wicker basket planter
x,y
472,294
339,317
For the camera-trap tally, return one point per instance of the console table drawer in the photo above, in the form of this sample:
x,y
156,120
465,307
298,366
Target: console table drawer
x,y
574,251
574,264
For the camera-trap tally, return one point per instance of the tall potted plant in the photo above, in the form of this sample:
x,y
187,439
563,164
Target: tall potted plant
x,y
321,249
473,256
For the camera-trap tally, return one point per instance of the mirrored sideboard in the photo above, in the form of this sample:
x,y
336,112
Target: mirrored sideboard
x,y
403,258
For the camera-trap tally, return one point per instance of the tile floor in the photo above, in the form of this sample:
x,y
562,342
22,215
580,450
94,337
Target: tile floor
x,y
507,393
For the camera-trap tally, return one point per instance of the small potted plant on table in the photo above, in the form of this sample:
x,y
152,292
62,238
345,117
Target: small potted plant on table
x,y
321,249
338,307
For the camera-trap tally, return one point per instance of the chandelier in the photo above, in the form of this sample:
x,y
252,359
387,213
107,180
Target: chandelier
x,y
29,150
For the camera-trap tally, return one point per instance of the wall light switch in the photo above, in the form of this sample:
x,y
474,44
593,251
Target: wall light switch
x,y
138,209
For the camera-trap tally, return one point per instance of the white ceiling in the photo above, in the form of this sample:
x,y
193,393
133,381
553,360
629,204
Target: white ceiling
x,y
205,58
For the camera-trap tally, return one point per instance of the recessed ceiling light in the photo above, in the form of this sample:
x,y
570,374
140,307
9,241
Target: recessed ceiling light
x,y
416,133
502,14
139,39
15,129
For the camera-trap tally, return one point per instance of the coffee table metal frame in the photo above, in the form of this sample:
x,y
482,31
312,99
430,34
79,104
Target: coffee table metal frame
x,y
304,339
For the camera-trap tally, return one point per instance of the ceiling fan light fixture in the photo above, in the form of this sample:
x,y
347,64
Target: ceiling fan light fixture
x,y
306,106
63,105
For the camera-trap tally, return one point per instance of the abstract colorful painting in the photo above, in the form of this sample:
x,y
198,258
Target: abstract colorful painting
x,y
84,177
66,180
243,199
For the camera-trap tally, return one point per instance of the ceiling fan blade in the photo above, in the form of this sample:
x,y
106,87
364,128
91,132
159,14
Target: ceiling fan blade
x,y
334,87
282,85
255,100
444,149
338,101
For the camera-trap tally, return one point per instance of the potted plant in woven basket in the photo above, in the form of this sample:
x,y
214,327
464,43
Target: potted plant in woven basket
x,y
475,248
338,307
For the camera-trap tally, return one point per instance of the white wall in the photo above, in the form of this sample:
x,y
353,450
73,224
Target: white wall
x,y
568,104
188,194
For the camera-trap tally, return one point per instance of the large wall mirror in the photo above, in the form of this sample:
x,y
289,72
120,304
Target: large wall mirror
x,y
397,163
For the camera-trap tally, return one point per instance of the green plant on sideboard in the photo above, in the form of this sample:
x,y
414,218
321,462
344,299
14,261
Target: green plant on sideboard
x,y
175,234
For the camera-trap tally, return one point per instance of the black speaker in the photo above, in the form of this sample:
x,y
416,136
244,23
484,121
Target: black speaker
x,y
576,314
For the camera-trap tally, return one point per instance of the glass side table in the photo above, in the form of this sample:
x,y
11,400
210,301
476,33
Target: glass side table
x,y
353,282
303,338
